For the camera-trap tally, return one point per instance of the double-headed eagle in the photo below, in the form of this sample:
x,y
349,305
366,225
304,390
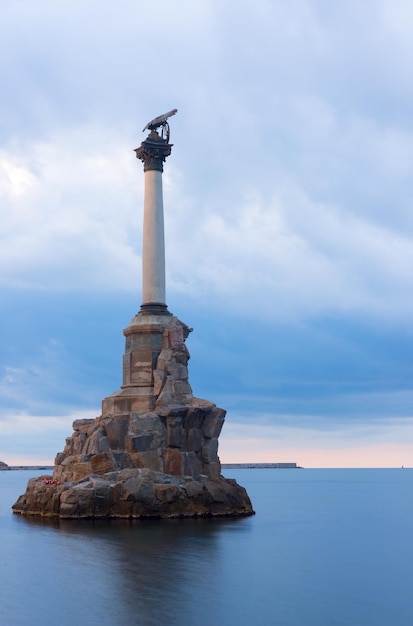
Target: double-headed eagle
x,y
161,121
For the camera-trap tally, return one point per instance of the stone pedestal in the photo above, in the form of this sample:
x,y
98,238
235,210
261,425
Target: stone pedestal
x,y
155,371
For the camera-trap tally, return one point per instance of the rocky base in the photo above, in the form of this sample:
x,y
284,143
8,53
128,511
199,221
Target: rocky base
x,y
177,440
132,494
153,453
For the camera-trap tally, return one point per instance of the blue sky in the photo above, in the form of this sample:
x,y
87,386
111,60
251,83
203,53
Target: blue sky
x,y
288,217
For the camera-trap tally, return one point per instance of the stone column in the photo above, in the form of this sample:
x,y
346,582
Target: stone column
x,y
149,332
153,152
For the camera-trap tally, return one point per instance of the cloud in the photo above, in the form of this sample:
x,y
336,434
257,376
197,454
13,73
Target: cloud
x,y
383,445
61,202
296,257
28,439
36,385
287,200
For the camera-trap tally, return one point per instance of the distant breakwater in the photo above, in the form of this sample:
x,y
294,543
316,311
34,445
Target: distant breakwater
x,y
223,465
31,467
260,466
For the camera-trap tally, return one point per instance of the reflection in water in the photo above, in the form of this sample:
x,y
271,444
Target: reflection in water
x,y
325,547
156,571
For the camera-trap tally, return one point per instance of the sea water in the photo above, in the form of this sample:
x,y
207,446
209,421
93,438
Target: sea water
x,y
325,548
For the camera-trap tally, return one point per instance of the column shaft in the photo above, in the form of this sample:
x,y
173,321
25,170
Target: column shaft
x,y
153,255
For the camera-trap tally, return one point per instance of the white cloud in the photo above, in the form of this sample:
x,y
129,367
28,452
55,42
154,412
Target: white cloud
x,y
15,179
70,213
295,257
277,189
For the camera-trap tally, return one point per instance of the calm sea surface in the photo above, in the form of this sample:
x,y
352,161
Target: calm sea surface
x,y
325,548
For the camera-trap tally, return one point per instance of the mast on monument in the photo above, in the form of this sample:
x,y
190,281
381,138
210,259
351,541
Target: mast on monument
x,y
153,152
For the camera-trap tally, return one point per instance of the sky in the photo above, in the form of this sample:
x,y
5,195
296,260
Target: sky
x,y
288,202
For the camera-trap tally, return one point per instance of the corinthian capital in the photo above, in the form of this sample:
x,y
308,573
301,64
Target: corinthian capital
x,y
153,152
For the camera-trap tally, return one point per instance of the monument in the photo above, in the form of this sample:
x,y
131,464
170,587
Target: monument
x,y
153,452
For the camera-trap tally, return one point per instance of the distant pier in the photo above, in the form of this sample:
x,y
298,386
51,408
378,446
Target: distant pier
x,y
260,466
31,467
223,465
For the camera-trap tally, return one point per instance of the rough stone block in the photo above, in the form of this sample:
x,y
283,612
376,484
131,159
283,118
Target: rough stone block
x,y
81,423
135,458
69,446
97,441
78,500
182,391
94,426
178,370
151,459
167,395
176,338
210,451
57,473
173,410
117,429
194,417
104,444
192,466
213,470
213,423
166,493
79,439
78,471
102,498
214,489
59,458
102,463
120,507
192,440
193,489
172,461
141,443
121,460
162,362
68,509
130,488
147,422
159,378
139,489
174,432
78,458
